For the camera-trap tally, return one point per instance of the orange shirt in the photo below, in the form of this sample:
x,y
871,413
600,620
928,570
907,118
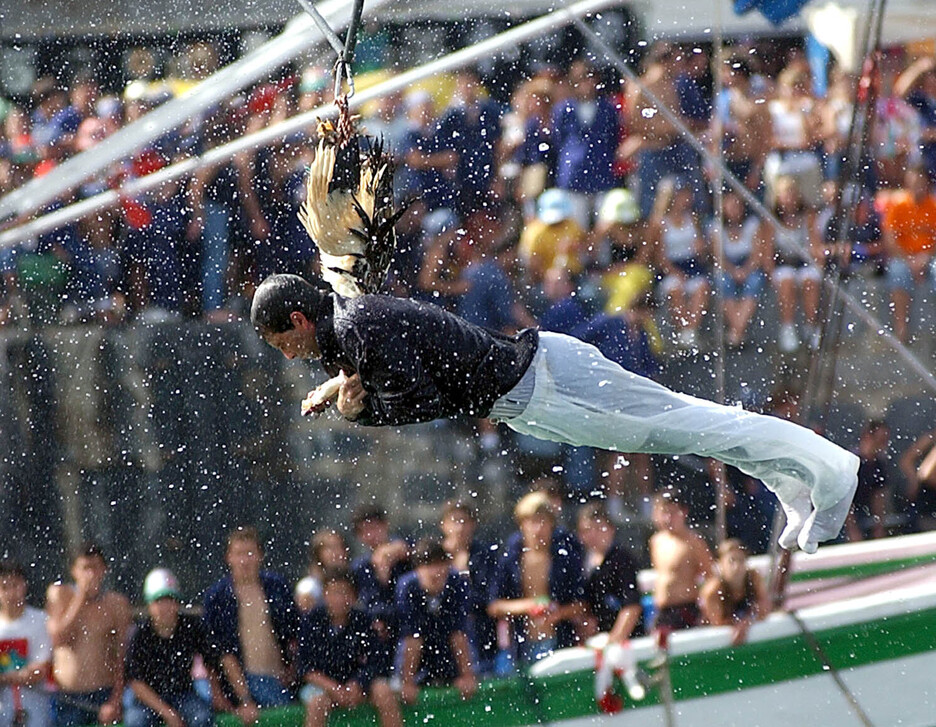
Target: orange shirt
x,y
912,224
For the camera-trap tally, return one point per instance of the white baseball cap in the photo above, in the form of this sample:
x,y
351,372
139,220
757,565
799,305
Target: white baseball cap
x,y
161,583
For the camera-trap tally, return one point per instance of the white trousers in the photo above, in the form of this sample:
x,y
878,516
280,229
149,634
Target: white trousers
x,y
581,398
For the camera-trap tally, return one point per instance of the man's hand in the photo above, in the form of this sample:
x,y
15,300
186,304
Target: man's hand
x,y
248,712
109,713
410,692
740,632
351,397
467,685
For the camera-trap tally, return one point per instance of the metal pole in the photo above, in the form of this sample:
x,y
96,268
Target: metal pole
x,y
719,470
506,41
298,36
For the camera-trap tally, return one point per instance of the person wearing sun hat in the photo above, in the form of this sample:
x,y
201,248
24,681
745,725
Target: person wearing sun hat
x,y
623,251
159,660
553,237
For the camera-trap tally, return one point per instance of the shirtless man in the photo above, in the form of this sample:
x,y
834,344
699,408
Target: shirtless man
x,y
682,560
88,627
547,598
252,620
660,150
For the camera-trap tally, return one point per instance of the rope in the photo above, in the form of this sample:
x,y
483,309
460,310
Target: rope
x,y
824,359
817,649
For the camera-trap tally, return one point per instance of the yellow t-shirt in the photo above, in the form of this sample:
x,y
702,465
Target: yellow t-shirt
x,y
540,244
622,287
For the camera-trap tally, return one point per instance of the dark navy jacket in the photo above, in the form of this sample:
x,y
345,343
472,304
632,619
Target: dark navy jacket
x,y
416,361
221,616
434,620
585,151
343,654
482,559
376,598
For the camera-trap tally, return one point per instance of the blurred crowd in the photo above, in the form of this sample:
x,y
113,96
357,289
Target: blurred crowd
x,y
375,620
576,203
569,202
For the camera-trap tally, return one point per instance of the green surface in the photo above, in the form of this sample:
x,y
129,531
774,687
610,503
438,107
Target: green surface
x,y
523,701
866,570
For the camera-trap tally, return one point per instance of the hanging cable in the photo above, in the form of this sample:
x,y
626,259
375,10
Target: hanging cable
x,y
345,50
820,380
821,375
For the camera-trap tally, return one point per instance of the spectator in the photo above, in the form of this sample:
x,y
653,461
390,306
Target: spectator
x,y
861,244
611,589
88,627
585,134
376,573
918,466
337,646
448,253
910,240
539,582
252,622
314,84
489,298
473,560
288,248
553,238
630,338
527,155
17,144
433,603
83,95
621,249
750,512
793,250
737,595
917,85
328,552
94,271
745,123
682,258
388,122
566,311
795,121
154,249
681,560
694,85
428,164
49,102
896,130
160,657
469,129
220,196
835,116
660,148
25,653
869,508
741,279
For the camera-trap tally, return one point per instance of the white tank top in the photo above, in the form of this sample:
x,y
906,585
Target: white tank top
x,y
738,244
789,125
679,242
